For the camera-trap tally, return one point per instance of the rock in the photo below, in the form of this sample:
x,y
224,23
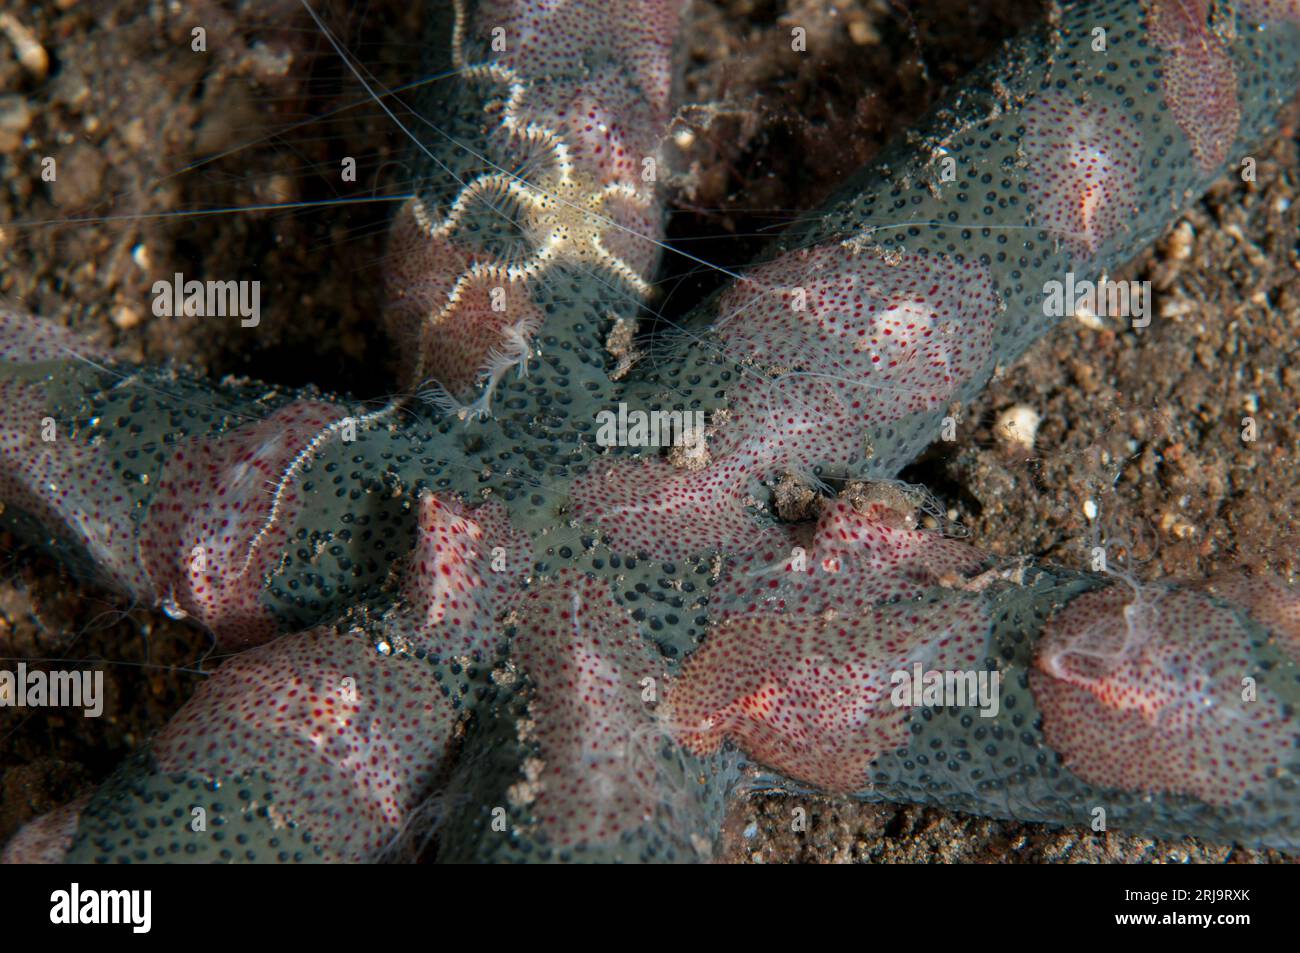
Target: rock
x,y
15,118
1017,427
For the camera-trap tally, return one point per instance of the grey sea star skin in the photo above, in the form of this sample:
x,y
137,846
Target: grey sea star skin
x,y
544,648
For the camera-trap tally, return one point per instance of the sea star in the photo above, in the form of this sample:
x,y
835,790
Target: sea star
x,y
501,633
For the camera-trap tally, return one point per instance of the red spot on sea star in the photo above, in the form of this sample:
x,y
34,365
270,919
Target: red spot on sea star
x,y
591,718
219,521
465,573
810,695
1269,601
836,340
46,839
1146,693
851,560
1199,79
653,507
1084,160
346,739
